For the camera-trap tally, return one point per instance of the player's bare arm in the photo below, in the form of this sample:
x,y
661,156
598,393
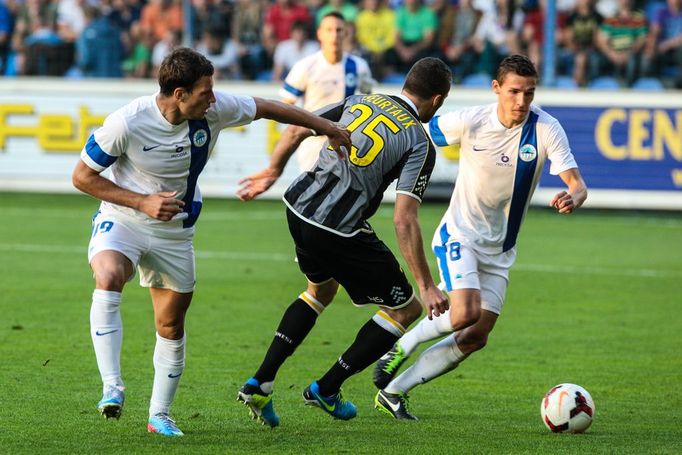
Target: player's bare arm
x,y
574,197
411,244
261,181
337,134
161,206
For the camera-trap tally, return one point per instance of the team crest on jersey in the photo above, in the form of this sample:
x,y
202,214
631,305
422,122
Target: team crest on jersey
x,y
528,153
351,80
199,138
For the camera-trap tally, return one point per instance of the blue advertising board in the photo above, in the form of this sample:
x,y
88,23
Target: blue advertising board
x,y
623,148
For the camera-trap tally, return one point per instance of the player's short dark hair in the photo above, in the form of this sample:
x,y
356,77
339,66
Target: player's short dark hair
x,y
335,14
429,76
182,68
516,64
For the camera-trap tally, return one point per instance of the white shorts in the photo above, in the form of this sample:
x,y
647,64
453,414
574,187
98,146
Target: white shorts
x,y
166,263
462,267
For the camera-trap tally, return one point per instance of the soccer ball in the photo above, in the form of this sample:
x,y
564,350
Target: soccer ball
x,y
567,408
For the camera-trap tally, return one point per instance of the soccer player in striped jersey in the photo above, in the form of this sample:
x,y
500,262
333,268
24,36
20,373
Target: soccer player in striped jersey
x,y
327,211
325,77
503,148
156,147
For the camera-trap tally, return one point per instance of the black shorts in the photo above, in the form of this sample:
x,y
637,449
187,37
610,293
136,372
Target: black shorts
x,y
362,264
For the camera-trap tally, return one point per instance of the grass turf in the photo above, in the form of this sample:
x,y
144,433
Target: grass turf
x,y
593,299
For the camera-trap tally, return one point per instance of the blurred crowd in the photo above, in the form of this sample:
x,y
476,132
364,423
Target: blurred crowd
x,y
261,39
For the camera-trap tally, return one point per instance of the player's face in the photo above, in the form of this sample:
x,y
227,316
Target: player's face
x,y
195,104
514,97
331,33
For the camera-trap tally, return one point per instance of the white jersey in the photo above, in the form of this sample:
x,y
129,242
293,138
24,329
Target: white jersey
x,y
147,154
499,169
319,83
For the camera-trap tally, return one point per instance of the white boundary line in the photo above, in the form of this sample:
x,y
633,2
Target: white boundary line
x,y
280,257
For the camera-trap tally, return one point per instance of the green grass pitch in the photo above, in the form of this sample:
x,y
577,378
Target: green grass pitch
x,y
594,298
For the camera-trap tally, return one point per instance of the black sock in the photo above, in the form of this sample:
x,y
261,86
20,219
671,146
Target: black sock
x,y
295,325
372,342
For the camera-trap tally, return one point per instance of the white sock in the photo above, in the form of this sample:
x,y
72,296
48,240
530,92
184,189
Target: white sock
x,y
169,363
426,330
106,330
437,360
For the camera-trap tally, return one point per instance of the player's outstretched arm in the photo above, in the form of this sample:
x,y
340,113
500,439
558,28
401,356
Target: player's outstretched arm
x,y
409,237
574,197
255,184
337,134
162,206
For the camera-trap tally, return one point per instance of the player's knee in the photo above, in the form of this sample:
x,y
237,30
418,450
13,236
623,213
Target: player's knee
x,y
110,278
171,329
465,316
323,293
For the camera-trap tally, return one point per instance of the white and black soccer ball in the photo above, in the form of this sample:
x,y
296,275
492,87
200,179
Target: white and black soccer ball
x,y
567,408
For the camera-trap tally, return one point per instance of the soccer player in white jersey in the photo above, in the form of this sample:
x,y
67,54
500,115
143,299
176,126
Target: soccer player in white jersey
x,y
503,148
326,77
156,146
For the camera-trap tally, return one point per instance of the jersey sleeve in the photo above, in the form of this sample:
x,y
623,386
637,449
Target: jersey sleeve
x,y
106,144
295,83
234,110
558,149
447,129
331,112
415,175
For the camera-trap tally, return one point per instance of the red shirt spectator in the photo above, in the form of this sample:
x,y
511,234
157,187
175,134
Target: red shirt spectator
x,y
279,18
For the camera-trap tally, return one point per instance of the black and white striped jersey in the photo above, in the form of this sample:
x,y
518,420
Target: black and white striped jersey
x,y
389,142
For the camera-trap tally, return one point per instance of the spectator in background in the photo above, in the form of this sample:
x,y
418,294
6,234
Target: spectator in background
x,y
348,10
138,63
214,15
495,37
164,47
290,51
159,17
279,19
533,31
124,14
70,19
99,50
221,52
457,37
247,22
7,12
621,41
664,45
375,27
580,39
32,16
416,27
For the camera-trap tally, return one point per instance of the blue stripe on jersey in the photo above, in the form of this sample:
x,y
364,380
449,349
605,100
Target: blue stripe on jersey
x,y
199,140
440,252
351,79
436,133
525,171
293,90
98,155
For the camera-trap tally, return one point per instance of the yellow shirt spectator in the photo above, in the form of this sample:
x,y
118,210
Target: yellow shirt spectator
x,y
376,29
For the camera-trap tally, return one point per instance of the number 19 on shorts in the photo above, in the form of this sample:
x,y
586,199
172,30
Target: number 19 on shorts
x,y
100,228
